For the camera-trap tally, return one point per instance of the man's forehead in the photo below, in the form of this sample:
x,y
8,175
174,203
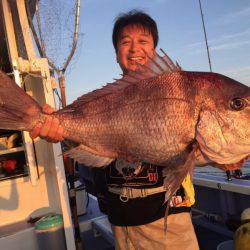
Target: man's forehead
x,y
139,29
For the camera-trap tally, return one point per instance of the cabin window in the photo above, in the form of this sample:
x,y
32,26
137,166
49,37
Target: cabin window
x,y
12,155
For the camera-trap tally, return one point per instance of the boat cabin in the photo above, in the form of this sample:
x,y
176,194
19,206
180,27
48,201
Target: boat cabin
x,y
32,178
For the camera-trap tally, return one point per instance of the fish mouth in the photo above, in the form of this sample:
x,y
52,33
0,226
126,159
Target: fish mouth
x,y
224,153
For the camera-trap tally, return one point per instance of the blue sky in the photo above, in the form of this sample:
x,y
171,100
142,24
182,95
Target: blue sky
x,y
181,36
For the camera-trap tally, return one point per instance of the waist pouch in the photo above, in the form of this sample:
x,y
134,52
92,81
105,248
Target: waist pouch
x,y
142,175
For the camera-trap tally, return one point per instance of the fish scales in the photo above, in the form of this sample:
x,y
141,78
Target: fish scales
x,y
137,121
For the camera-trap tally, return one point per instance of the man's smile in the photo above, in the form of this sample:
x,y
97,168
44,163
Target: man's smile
x,y
134,59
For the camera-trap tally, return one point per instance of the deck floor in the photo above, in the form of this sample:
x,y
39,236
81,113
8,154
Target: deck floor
x,y
92,242
207,239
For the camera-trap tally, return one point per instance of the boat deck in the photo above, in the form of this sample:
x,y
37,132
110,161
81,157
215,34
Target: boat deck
x,y
94,236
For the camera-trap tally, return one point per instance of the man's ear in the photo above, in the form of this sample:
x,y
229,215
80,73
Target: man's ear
x,y
117,58
154,52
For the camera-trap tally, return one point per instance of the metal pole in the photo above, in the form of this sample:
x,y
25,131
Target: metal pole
x,y
205,34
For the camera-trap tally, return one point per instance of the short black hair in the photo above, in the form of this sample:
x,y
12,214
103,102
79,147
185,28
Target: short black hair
x,y
134,17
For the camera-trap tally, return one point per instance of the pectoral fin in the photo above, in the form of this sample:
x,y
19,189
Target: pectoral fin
x,y
88,157
174,175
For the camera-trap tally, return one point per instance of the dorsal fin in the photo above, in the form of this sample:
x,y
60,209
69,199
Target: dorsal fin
x,y
156,66
169,62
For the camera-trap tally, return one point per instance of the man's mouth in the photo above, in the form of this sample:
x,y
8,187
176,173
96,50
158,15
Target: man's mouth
x,y
136,58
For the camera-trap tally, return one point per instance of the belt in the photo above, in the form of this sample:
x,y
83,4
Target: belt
x,y
127,193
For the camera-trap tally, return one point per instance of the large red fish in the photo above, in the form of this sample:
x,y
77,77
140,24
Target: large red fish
x,y
159,115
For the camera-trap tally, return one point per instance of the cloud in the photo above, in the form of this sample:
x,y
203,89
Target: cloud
x,y
229,45
194,45
199,47
223,42
234,16
245,32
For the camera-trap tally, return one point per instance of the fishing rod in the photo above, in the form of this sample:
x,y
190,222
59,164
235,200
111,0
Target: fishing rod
x,y
205,35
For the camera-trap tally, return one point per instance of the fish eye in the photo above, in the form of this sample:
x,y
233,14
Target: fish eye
x,y
237,104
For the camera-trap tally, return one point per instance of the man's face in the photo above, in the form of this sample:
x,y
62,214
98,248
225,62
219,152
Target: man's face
x,y
134,46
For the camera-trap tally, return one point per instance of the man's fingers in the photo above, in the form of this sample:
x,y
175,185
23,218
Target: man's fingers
x,y
60,133
53,129
46,127
35,131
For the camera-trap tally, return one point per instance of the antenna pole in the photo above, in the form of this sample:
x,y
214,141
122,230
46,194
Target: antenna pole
x,y
205,34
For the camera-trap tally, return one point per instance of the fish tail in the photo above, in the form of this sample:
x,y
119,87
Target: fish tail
x,y
18,111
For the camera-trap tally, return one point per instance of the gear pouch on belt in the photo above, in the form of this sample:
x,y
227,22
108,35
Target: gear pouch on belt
x,y
134,175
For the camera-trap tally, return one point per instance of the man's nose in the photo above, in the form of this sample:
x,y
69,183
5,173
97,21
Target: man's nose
x,y
134,46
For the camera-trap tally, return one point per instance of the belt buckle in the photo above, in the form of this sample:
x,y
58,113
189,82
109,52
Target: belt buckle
x,y
125,194
124,198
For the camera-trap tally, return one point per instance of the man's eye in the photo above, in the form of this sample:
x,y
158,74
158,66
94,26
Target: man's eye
x,y
143,42
125,42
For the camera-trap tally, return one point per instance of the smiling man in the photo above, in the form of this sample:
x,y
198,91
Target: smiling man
x,y
132,195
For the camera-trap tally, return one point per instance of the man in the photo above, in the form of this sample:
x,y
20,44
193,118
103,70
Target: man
x,y
133,194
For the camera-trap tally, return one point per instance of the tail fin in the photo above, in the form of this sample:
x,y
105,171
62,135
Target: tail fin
x,y
18,111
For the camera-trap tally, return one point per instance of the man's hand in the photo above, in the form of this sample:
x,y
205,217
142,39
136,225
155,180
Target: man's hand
x,y
50,130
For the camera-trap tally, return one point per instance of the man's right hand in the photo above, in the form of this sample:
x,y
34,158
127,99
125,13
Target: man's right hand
x,y
50,130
